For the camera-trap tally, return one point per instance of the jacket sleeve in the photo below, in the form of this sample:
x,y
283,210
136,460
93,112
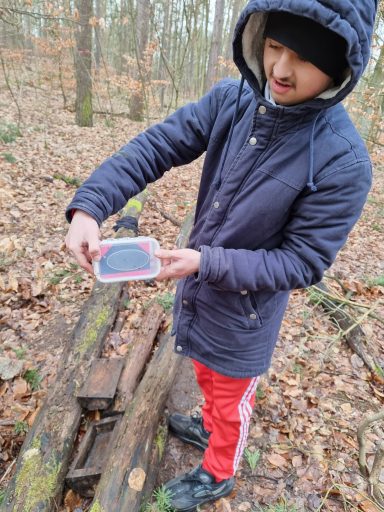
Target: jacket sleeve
x,y
317,229
178,140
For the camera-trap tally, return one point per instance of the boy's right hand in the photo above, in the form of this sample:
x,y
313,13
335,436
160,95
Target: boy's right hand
x,y
83,239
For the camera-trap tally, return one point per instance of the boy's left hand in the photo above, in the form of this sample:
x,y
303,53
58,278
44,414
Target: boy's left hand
x,y
177,263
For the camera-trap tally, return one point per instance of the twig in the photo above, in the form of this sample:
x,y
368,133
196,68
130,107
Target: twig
x,y
9,468
166,215
361,440
374,477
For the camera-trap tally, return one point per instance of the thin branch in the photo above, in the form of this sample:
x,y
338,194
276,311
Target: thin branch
x,y
364,425
374,477
10,89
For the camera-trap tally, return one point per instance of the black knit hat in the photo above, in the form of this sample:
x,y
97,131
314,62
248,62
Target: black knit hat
x,y
322,47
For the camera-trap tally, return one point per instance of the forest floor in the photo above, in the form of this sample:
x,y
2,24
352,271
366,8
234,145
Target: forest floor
x,y
302,453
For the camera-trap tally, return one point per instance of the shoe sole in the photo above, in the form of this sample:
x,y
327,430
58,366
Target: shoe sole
x,y
187,440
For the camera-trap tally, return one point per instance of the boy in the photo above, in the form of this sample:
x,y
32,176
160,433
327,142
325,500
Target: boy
x,y
276,203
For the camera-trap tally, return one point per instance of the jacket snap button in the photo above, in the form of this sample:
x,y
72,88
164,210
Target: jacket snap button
x,y
216,204
252,316
179,348
253,141
244,292
185,302
262,109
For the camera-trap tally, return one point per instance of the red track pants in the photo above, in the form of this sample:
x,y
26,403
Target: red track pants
x,y
226,414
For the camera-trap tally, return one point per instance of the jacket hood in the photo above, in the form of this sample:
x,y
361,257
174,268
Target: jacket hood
x,y
353,20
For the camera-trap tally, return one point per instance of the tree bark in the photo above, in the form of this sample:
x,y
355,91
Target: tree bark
x,y
137,100
83,64
138,356
217,36
43,461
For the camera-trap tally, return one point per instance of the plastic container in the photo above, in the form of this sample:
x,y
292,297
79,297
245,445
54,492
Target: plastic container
x,y
127,259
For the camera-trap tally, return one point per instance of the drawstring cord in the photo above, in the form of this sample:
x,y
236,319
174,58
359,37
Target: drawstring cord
x,y
218,182
310,183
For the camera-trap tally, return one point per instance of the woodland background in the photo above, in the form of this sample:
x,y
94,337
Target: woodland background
x,y
79,79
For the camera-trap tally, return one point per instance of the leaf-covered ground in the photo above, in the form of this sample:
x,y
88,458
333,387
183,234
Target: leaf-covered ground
x,y
302,450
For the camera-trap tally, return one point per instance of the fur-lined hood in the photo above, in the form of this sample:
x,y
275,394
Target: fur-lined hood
x,y
351,19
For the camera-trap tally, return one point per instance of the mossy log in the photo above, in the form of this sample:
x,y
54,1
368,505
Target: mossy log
x,y
44,458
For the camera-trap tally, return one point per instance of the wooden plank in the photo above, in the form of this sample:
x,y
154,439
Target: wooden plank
x,y
99,388
93,453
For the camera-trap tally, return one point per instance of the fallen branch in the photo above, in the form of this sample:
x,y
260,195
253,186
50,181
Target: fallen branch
x,y
350,328
372,475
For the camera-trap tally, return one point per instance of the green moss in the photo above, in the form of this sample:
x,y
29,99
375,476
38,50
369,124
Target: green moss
x,y
87,110
135,204
160,440
36,482
90,335
96,507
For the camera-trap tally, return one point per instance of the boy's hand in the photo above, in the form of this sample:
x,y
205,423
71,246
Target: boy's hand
x,y
83,240
177,263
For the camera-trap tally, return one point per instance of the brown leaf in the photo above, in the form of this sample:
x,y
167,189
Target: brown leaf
x,y
222,506
20,388
276,460
72,501
297,461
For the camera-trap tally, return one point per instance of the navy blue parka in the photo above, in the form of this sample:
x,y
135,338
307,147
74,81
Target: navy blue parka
x,y
277,198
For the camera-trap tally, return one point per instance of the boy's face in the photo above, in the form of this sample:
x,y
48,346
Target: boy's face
x,y
291,79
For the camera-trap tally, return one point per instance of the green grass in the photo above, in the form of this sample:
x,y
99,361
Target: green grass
x,y
260,393
58,276
8,157
20,428
33,378
2,496
252,457
9,133
20,352
377,281
75,182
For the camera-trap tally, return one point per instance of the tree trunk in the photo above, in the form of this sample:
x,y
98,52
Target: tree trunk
x,y
216,45
43,461
137,100
237,5
83,64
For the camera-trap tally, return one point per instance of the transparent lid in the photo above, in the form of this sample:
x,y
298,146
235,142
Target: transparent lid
x,y
127,259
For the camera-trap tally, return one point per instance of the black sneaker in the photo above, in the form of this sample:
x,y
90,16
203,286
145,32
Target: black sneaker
x,y
196,488
189,429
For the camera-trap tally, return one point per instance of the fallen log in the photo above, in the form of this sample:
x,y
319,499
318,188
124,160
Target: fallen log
x,y
129,471
123,478
44,458
350,328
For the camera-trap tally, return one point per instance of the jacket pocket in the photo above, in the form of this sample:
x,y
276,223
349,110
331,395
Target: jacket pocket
x,y
251,309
